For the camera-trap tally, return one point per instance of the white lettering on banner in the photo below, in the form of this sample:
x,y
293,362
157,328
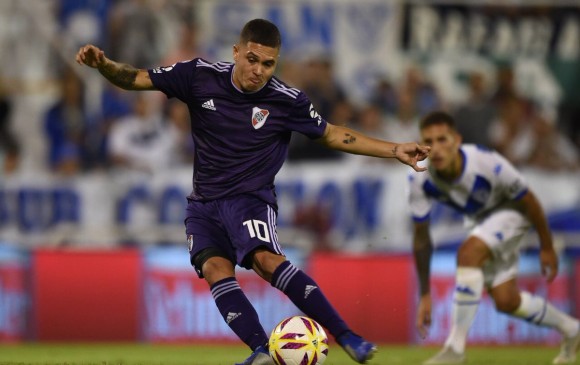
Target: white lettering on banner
x,y
367,206
174,310
497,32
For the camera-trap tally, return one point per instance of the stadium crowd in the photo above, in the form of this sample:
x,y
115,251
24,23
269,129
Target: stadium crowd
x,y
88,125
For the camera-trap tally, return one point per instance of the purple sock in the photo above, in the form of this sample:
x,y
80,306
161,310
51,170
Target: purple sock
x,y
307,296
238,312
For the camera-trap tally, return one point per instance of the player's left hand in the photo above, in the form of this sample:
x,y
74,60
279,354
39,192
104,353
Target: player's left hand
x,y
411,153
423,321
549,263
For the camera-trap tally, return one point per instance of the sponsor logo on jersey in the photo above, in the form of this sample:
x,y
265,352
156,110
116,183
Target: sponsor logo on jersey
x,y
314,114
159,70
208,105
259,117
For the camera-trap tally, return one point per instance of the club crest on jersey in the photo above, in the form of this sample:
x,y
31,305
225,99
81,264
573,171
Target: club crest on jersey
x,y
259,117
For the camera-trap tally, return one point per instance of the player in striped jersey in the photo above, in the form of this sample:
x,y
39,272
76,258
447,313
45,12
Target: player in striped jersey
x,y
242,118
495,199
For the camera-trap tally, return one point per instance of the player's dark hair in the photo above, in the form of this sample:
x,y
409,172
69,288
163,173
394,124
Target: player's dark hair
x,y
261,31
437,117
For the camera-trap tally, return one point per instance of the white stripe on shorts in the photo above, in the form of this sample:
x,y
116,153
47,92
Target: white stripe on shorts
x,y
272,229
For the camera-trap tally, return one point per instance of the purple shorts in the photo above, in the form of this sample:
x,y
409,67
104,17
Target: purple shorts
x,y
235,225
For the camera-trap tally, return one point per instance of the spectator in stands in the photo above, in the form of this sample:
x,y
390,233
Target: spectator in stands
x,y
177,116
511,132
9,146
64,127
403,125
132,24
474,117
384,96
423,92
550,149
143,141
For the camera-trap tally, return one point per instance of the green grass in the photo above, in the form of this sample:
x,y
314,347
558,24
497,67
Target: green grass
x,y
146,354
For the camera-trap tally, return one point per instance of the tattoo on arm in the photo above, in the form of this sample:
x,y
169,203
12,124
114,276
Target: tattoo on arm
x,y
122,75
394,150
348,138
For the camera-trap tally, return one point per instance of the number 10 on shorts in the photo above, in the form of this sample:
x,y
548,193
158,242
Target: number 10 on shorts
x,y
258,228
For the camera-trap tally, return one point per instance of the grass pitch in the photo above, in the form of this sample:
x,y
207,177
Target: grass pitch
x,y
196,354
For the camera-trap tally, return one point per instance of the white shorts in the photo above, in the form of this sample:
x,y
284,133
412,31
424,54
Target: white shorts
x,y
503,232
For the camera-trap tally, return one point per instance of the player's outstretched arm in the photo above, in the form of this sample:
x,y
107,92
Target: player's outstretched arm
x,y
348,140
122,75
532,208
422,252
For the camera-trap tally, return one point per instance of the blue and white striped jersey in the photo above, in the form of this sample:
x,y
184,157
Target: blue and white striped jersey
x,y
488,181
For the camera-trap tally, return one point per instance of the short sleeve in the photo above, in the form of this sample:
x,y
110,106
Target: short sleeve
x,y
419,202
305,119
509,179
175,80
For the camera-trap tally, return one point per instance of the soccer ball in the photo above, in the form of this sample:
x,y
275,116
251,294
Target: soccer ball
x,y
298,340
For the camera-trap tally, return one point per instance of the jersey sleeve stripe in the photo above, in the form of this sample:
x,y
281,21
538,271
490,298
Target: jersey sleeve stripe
x,y
219,67
278,86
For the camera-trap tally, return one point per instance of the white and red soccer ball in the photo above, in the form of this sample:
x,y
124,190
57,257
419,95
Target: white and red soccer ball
x,y
298,340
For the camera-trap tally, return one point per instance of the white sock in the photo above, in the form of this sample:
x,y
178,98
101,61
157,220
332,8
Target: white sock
x,y
466,298
539,311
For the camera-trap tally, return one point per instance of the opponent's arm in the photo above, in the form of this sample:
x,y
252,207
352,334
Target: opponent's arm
x,y
348,140
422,251
122,75
531,207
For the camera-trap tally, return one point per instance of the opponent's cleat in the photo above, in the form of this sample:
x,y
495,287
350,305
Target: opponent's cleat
x,y
356,347
446,356
260,356
568,350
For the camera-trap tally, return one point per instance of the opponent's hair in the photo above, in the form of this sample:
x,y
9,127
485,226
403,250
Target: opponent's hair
x,y
261,31
437,117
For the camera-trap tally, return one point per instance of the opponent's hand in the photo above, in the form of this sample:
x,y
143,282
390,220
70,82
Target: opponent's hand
x,y
411,153
424,315
549,263
91,56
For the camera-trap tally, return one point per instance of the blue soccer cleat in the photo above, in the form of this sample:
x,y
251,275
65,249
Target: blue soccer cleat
x,y
260,356
356,347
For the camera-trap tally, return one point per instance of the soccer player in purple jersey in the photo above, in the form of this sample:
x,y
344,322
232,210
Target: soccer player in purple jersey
x,y
242,118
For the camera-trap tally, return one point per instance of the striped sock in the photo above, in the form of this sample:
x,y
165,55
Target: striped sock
x,y
468,289
539,311
238,312
308,297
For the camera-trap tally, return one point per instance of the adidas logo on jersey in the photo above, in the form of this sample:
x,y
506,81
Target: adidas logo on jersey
x,y
208,105
231,316
308,290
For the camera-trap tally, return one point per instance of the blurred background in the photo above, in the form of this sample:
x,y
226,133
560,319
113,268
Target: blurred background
x,y
93,179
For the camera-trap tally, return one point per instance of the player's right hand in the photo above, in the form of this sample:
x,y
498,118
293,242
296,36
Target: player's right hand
x,y
424,315
91,56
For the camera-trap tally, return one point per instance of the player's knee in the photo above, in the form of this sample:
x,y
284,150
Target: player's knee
x,y
506,304
473,254
214,265
265,263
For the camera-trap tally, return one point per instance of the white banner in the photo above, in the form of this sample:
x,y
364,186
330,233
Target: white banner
x,y
349,205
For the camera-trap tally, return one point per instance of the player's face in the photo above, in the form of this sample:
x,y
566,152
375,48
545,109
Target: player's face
x,y
445,143
255,65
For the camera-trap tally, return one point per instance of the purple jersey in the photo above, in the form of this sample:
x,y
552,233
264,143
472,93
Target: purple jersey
x,y
241,139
